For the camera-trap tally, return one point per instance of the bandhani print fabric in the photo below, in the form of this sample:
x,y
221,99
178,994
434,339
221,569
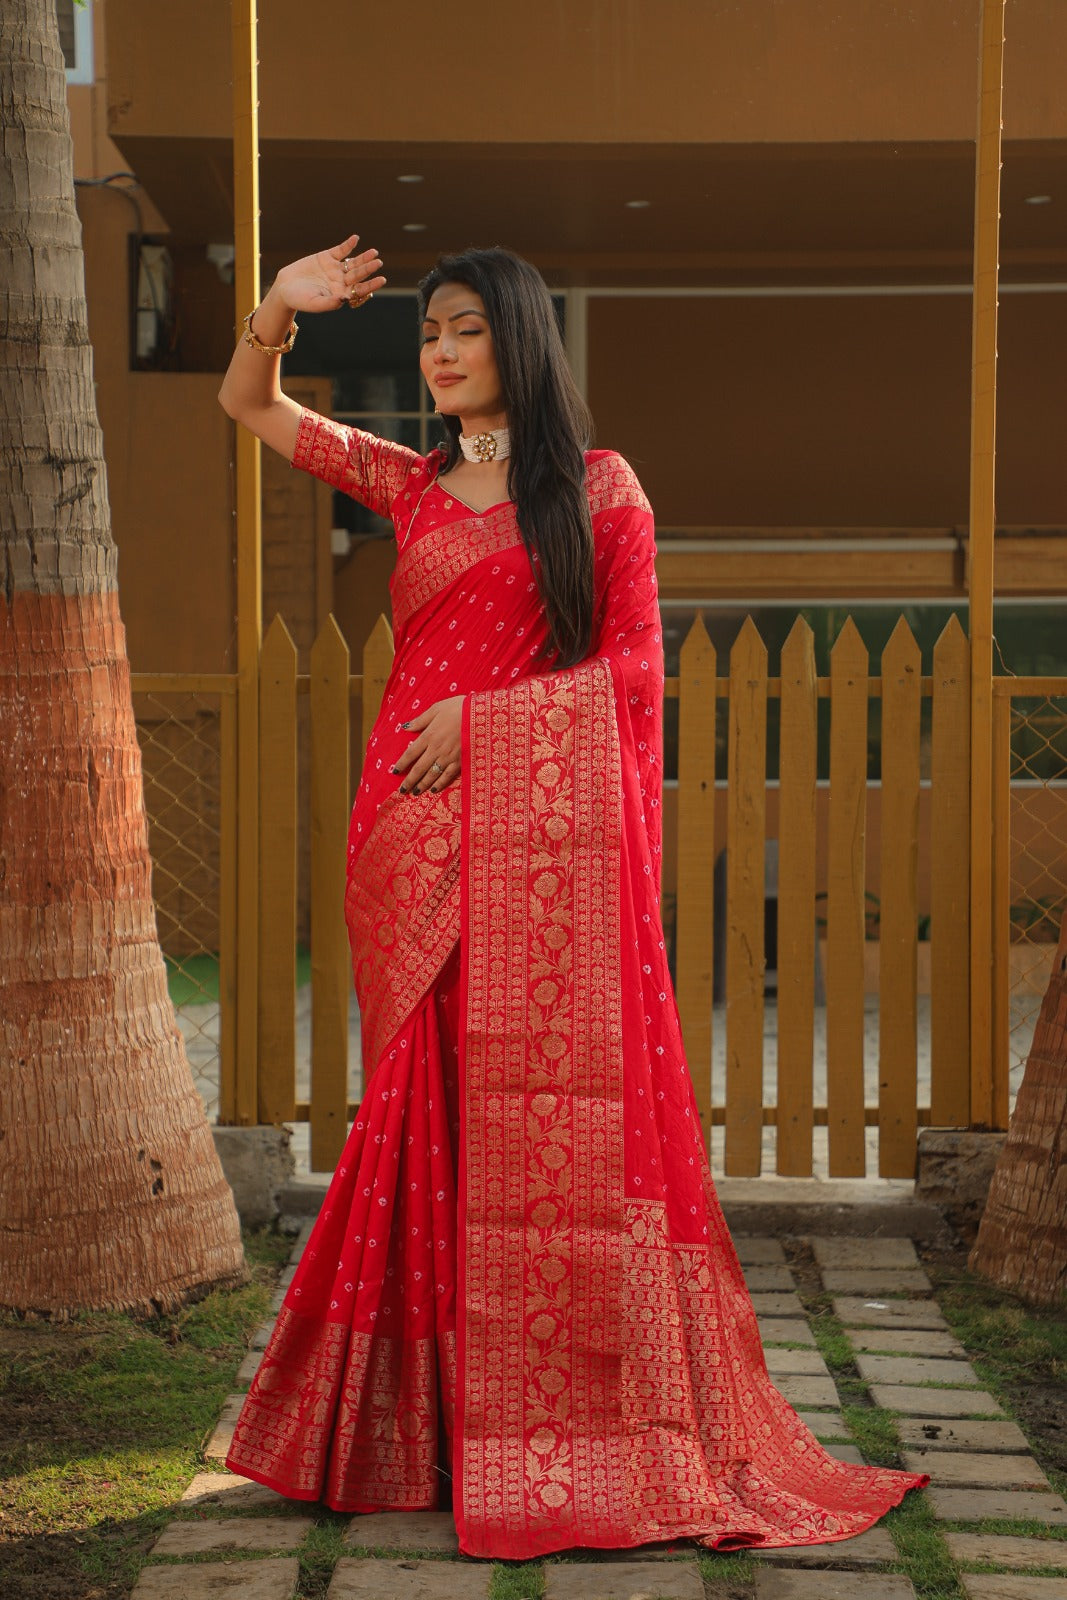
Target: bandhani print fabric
x,y
520,1278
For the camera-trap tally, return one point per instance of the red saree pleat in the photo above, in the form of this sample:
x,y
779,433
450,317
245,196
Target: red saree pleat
x,y
358,1378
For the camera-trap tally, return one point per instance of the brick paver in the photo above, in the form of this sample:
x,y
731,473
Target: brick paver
x,y
916,1369
757,1250
775,1303
848,1252
262,1335
983,1471
410,1580
228,1490
1000,1550
404,1530
972,1505
941,1433
222,1438
868,1549
782,1584
237,1580
232,1533
916,1401
805,1363
623,1580
802,1391
249,1367
845,1452
876,1280
866,1311
825,1424
785,1330
768,1279
1008,1586
905,1342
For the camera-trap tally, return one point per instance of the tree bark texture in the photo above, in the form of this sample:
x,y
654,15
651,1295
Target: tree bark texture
x,y
111,1192
1022,1241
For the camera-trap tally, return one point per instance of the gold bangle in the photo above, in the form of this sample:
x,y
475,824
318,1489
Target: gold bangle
x,y
251,338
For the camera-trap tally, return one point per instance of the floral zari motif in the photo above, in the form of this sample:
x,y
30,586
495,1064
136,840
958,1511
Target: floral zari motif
x,y
541,1226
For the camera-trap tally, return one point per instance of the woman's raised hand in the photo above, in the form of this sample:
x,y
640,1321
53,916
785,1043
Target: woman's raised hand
x,y
432,760
325,281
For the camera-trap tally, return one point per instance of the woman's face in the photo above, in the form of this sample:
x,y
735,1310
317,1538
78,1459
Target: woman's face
x,y
458,360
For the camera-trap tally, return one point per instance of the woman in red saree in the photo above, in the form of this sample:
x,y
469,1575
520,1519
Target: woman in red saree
x,y
520,1275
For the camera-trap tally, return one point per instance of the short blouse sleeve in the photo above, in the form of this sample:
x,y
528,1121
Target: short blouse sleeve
x,y
369,469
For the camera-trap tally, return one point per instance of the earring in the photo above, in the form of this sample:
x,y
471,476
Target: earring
x,y
436,409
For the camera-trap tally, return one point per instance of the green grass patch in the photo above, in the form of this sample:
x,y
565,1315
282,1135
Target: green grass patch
x,y
922,1554
102,1421
1020,1355
517,1580
727,1572
875,1434
1011,1527
194,980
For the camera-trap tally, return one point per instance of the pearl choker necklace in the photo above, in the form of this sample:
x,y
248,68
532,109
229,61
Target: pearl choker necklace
x,y
493,446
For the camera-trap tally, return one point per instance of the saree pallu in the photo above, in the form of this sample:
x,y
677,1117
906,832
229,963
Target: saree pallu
x,y
521,1276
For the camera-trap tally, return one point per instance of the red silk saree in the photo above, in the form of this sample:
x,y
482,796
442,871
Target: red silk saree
x,y
520,1276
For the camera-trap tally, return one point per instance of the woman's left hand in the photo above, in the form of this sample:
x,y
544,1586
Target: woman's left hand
x,y
432,761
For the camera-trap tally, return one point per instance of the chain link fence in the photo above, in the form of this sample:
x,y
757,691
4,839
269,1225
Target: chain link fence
x,y
181,754
1038,767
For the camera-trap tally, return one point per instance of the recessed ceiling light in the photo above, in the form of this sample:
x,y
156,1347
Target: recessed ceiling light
x,y
410,177
414,227
638,205
1038,199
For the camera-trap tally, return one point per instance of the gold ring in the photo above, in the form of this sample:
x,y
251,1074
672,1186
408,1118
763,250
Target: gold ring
x,y
435,766
356,300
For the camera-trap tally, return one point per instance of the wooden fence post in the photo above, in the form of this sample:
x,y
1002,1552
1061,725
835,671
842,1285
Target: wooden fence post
x,y
331,973
745,889
377,665
796,903
950,890
694,906
277,880
845,905
899,906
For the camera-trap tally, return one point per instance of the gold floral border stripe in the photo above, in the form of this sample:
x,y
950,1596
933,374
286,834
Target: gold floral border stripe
x,y
429,564
543,1095
402,904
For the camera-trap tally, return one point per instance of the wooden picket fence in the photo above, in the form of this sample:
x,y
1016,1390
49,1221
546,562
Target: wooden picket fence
x,y
743,694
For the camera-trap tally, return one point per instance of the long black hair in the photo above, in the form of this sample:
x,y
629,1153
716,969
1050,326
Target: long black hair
x,y
550,427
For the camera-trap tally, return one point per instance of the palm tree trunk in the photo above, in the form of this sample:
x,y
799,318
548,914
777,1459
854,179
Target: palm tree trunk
x,y
111,1193
1022,1242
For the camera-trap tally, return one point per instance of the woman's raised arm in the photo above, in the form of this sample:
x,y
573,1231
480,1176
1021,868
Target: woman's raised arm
x,y
251,392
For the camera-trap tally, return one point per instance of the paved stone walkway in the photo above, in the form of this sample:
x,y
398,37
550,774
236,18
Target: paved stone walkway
x,y
233,1539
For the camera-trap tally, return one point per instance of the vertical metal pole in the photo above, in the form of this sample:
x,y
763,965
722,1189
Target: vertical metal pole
x,y
249,560
982,519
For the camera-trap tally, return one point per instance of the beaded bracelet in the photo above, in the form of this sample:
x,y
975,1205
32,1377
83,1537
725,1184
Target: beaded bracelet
x,y
251,338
